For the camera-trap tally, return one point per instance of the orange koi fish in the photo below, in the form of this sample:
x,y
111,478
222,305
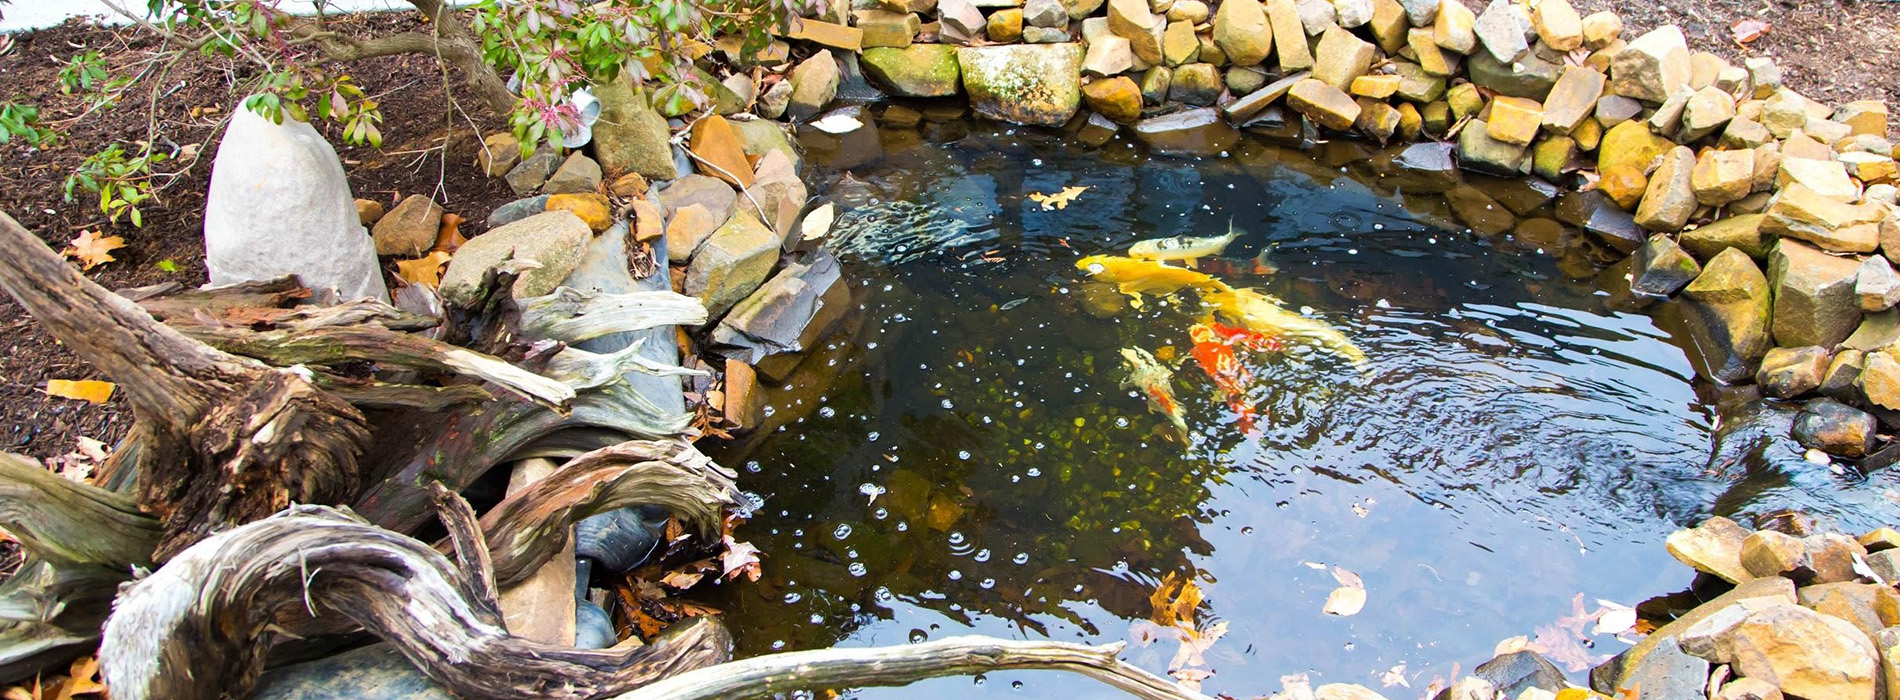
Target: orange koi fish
x,y
1214,351
1148,375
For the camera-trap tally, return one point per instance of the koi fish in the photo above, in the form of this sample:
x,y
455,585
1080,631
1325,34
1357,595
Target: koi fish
x,y
1134,276
1184,248
1147,375
1262,314
1260,265
1214,351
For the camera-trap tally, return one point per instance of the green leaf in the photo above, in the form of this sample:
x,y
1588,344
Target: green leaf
x,y
166,265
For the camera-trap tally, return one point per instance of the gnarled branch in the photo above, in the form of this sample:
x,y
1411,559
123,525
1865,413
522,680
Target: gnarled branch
x,y
198,628
570,315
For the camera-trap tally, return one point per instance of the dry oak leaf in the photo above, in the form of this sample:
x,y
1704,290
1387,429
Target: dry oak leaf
x,y
93,250
1748,30
1059,200
1174,601
89,390
425,271
740,558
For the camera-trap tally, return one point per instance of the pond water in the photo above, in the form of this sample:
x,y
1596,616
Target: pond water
x,y
965,459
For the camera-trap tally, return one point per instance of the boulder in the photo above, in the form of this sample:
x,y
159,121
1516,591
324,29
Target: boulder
x,y
1388,26
1529,77
1179,44
1289,36
630,136
1833,556
499,153
1573,97
1325,104
1721,176
1192,132
1514,120
1108,56
1420,12
517,210
1345,691
578,173
1670,197
1713,547
369,211
1870,607
1241,110
919,70
1117,98
409,229
554,240
1197,84
1652,67
732,262
1707,111
960,21
1601,29
1432,58
1880,379
1500,32
591,207
1316,16
1804,653
1477,150
1668,673
1827,178
1789,372
1341,56
1242,33
1801,213
1045,13
1610,675
279,204
814,84
785,317
1511,674
1743,232
1131,20
1352,14
1155,85
1416,85
1814,295
1453,29
533,171
1045,35
1616,109
1037,84
1877,285
1842,379
1770,553
1662,268
1559,26
773,103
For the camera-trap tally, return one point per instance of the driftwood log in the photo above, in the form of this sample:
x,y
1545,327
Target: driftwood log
x,y
220,439
199,627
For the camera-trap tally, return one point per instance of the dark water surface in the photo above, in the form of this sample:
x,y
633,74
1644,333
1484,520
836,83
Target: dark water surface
x,y
966,461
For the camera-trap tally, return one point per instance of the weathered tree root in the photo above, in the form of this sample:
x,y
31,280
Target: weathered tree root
x,y
531,526
570,315
199,627
902,665
80,543
218,439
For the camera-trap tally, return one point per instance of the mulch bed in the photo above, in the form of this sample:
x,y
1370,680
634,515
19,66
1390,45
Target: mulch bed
x,y
1830,50
194,97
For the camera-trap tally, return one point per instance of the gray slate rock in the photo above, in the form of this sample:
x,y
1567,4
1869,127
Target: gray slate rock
x,y
279,204
1501,32
1669,673
787,316
1512,673
553,239
517,210
1663,268
578,173
534,171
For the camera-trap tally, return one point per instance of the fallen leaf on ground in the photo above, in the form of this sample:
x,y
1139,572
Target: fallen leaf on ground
x,y
1748,30
82,389
818,223
1349,597
425,271
1059,200
740,558
93,250
84,680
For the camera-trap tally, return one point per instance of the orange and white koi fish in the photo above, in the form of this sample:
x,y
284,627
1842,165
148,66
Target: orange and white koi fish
x,y
1263,314
1147,375
1214,351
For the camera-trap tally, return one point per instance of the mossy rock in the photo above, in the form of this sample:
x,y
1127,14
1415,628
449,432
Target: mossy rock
x,y
918,70
1037,84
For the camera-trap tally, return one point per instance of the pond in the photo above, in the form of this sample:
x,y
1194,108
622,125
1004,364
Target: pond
x,y
966,459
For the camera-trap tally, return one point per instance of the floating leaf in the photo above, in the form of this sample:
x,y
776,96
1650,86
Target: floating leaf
x,y
680,579
1059,200
83,389
93,250
1748,30
1349,597
1395,676
818,223
425,271
1196,643
839,123
1190,678
740,558
1614,618
1174,601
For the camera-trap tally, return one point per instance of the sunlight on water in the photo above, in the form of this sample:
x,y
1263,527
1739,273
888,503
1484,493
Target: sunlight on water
x,y
979,466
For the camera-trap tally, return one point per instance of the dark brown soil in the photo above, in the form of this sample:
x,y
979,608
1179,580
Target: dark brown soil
x,y
195,96
1831,50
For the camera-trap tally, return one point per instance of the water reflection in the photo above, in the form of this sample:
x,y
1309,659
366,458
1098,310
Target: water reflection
x,y
964,459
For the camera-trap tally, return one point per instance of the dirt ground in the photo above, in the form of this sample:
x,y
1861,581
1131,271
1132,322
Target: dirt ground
x,y
1830,50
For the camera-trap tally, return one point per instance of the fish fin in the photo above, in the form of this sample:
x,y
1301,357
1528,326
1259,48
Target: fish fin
x,y
1191,263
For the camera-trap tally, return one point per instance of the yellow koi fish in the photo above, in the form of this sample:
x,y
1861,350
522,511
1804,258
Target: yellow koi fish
x,y
1136,276
1184,248
1263,314
1156,382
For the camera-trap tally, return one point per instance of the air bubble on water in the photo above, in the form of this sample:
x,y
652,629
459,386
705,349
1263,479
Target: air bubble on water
x,y
753,466
870,489
872,437
987,583
980,680
883,594
903,526
880,514
1018,685
827,412
1352,251
1121,421
982,555
1034,472
887,286
1020,558
857,569
1306,310
769,411
918,636
817,618
947,405
962,454
843,531
1383,304
1378,227
956,537
1248,530
850,554
1014,479
986,420
778,644
956,575
793,597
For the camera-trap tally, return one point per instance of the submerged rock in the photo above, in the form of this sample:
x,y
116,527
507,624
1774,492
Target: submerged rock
x,y
1836,428
1193,132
